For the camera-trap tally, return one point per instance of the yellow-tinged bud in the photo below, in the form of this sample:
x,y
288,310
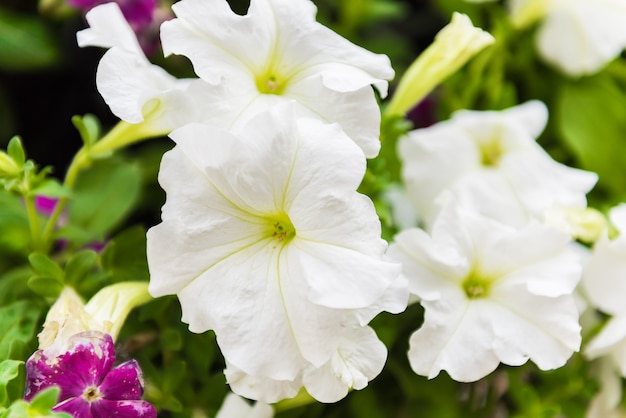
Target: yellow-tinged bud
x,y
524,13
8,167
454,45
586,225
105,312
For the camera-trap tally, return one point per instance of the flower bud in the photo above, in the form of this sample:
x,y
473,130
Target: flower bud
x,y
454,45
8,167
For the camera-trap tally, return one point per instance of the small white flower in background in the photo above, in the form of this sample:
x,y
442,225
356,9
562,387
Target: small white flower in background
x,y
490,162
135,89
276,53
604,284
606,402
491,293
265,240
579,37
236,407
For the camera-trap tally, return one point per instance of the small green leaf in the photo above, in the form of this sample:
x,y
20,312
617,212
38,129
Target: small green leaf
x,y
88,127
45,286
45,400
9,370
16,151
50,188
18,322
79,266
45,267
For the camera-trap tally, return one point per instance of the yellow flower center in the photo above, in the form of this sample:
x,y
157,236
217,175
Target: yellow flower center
x,y
491,152
91,394
282,229
476,286
270,83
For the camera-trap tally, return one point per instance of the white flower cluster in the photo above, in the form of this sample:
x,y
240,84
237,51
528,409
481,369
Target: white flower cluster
x,y
264,238
496,282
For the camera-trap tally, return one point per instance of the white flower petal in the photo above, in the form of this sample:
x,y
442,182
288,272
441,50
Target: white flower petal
x,y
262,388
359,359
580,37
235,407
544,329
610,340
603,276
108,28
456,337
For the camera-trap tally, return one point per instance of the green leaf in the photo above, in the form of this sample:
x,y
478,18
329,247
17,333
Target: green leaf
x,y
45,267
103,196
88,127
45,400
18,322
45,286
14,227
125,255
590,117
50,188
26,43
9,370
16,151
79,266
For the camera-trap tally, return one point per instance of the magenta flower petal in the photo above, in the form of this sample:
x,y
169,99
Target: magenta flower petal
x,y
76,407
137,12
92,355
45,205
122,409
123,383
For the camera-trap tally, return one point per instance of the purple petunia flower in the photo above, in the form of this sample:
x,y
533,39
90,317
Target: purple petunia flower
x,y
90,386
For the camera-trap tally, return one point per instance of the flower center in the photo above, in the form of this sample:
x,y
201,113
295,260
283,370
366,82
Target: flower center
x,y
91,394
270,83
491,152
282,229
476,286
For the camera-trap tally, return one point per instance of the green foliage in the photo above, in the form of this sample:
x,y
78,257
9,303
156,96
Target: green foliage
x,y
103,196
26,43
40,407
88,127
125,255
591,121
18,323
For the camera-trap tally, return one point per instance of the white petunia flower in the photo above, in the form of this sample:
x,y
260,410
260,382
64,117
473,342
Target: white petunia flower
x,y
491,293
236,407
134,89
603,282
490,162
276,53
579,37
265,240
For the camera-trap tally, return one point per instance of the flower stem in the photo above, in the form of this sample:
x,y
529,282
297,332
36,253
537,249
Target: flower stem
x,y
301,399
122,135
33,220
